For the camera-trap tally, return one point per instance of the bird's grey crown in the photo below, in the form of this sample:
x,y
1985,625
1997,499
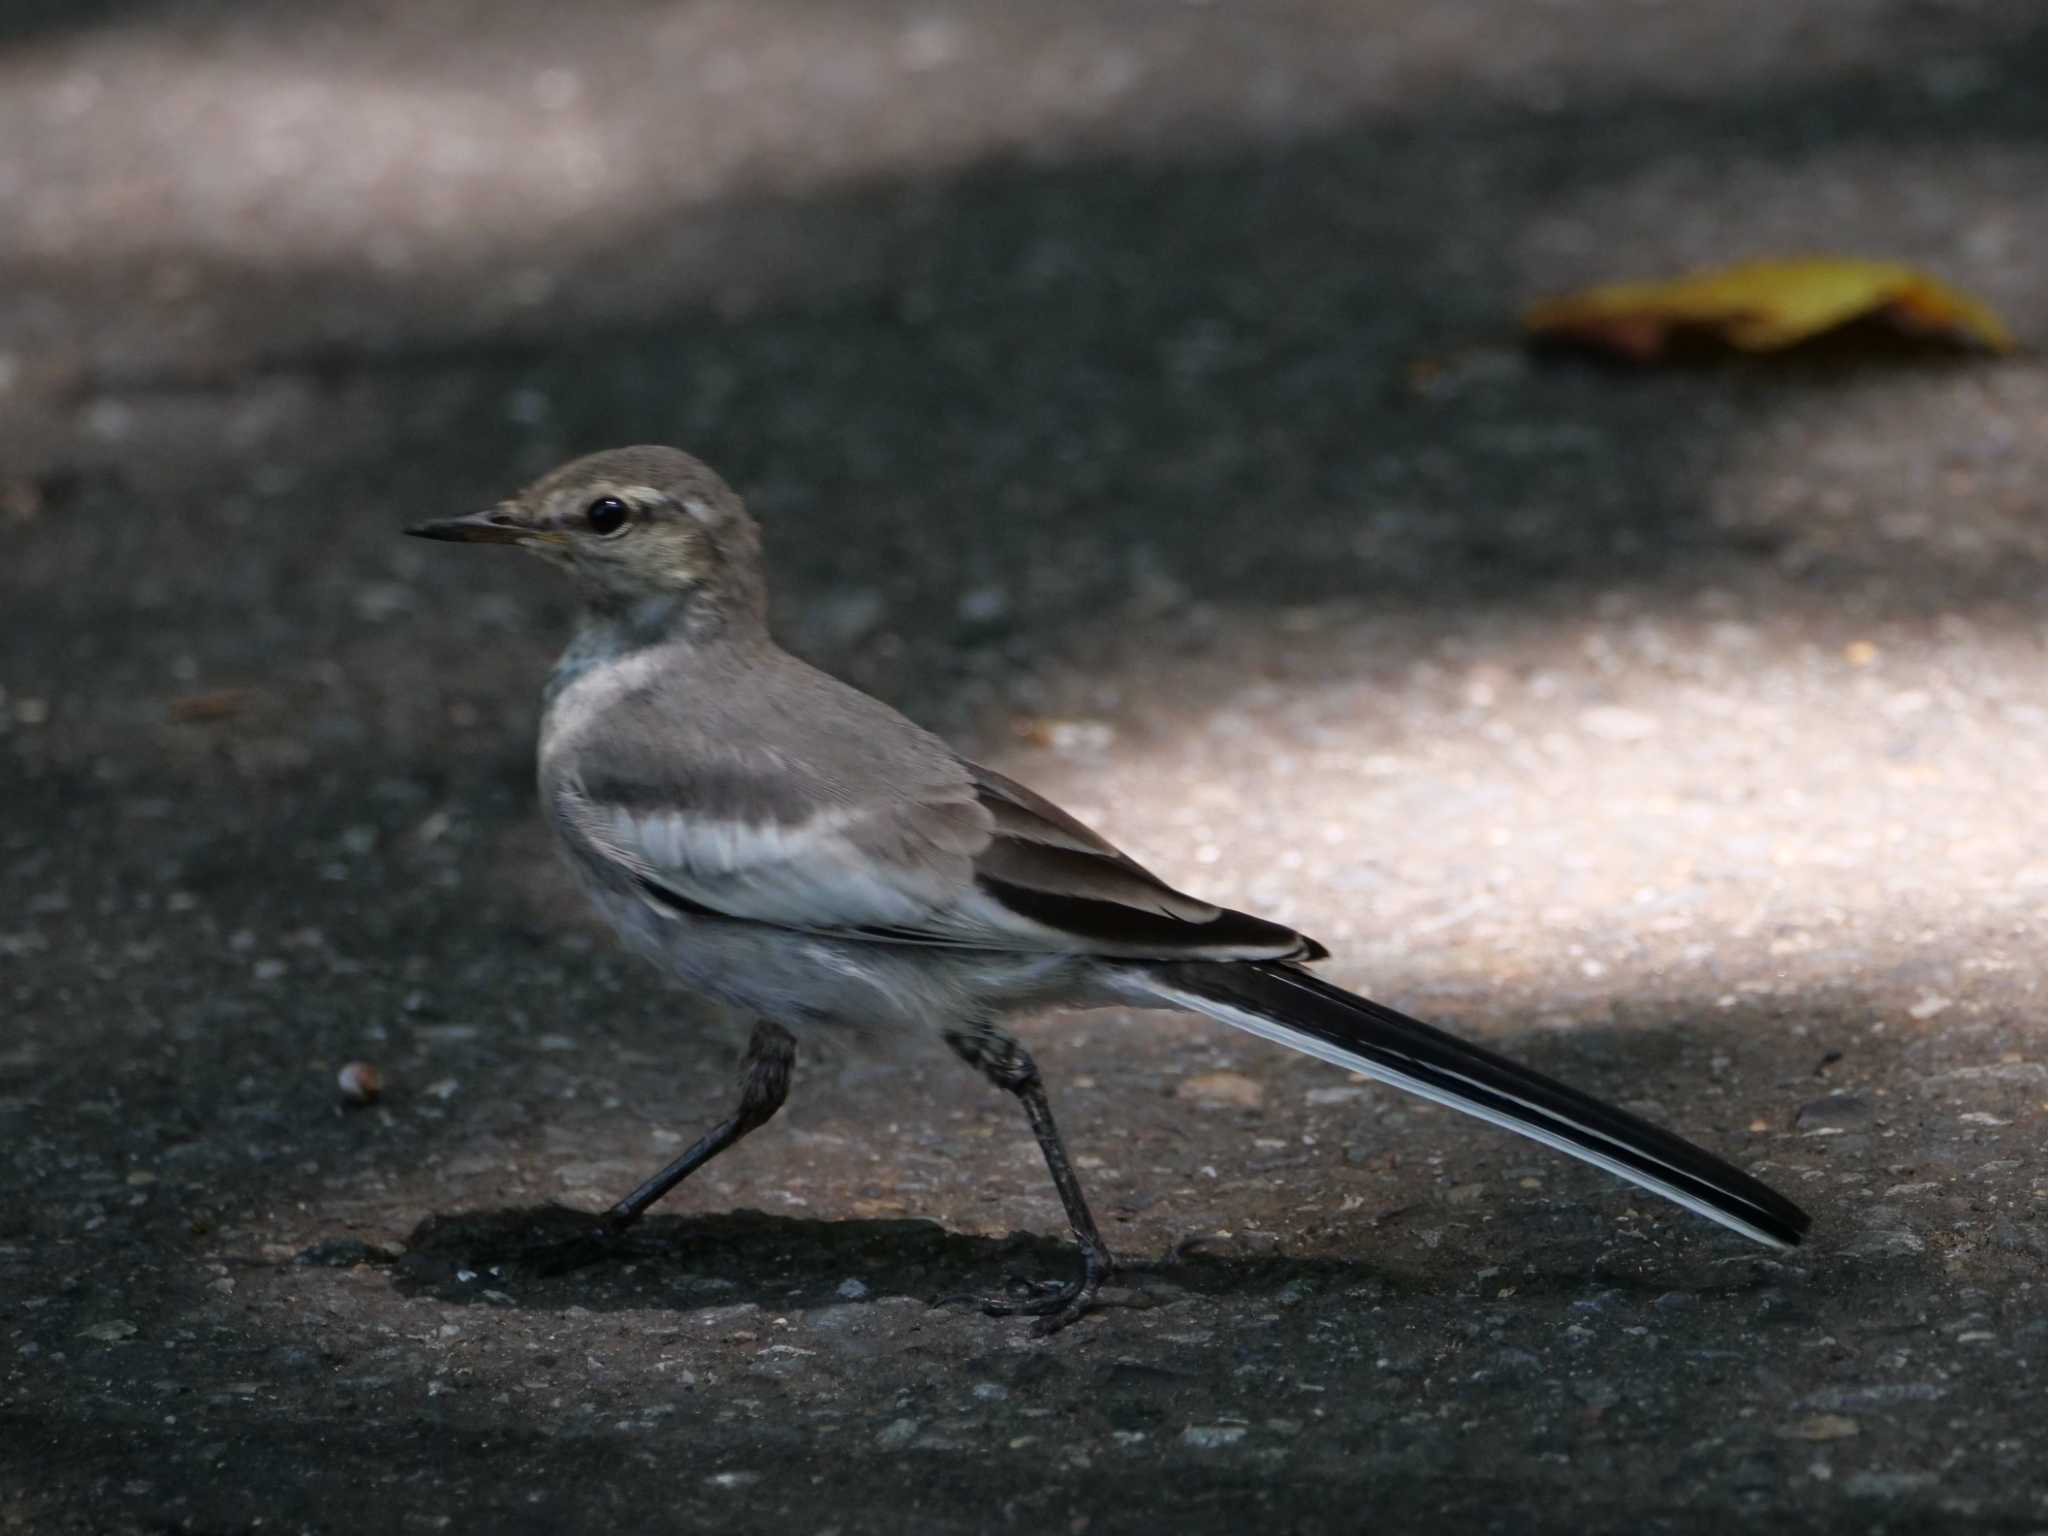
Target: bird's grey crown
x,y
670,470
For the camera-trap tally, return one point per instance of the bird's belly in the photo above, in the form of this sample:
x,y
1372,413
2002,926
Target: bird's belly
x,y
806,982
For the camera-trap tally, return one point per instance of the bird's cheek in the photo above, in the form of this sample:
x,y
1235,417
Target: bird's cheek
x,y
555,551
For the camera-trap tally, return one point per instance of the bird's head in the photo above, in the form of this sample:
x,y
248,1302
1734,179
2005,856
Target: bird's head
x,y
633,527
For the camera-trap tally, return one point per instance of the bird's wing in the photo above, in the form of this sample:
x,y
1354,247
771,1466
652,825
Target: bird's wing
x,y
1043,867
937,851
780,856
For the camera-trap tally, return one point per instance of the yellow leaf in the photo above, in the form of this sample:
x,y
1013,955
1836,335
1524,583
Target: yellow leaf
x,y
1762,306
1821,1426
1228,1088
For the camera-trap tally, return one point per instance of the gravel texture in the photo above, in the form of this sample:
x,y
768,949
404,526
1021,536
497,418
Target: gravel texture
x,y
1129,391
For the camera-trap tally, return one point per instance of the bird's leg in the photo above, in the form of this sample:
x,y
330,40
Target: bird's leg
x,y
1003,1060
764,1084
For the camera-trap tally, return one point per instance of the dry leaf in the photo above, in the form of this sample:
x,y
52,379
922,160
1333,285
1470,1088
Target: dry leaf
x,y
1233,1089
1763,306
220,704
1820,1426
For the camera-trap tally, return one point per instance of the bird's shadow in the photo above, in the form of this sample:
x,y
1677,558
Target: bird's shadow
x,y
538,1257
545,1257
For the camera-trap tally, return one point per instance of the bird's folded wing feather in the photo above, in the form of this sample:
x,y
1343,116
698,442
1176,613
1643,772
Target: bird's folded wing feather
x,y
965,858
1045,867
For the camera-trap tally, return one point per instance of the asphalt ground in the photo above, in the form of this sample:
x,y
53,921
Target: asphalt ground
x,y
1130,392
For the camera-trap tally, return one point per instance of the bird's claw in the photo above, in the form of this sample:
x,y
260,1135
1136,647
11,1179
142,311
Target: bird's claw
x,y
1054,1303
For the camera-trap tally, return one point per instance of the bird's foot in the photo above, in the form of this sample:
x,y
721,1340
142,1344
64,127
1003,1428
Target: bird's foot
x,y
1054,1303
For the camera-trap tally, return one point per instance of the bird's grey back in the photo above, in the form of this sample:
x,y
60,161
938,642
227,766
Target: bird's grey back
x,y
748,735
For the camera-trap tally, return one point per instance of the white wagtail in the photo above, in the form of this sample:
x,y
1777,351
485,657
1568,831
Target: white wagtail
x,y
786,844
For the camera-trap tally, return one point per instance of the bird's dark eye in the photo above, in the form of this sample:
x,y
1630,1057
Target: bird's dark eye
x,y
607,514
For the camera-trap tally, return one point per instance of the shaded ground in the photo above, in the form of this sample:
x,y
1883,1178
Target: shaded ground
x,y
1125,393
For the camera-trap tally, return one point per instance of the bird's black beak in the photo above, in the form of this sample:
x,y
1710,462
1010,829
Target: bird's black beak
x,y
493,527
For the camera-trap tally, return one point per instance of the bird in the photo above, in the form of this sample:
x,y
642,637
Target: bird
x,y
789,846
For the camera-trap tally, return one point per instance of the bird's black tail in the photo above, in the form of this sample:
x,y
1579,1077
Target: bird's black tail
x,y
1284,1003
